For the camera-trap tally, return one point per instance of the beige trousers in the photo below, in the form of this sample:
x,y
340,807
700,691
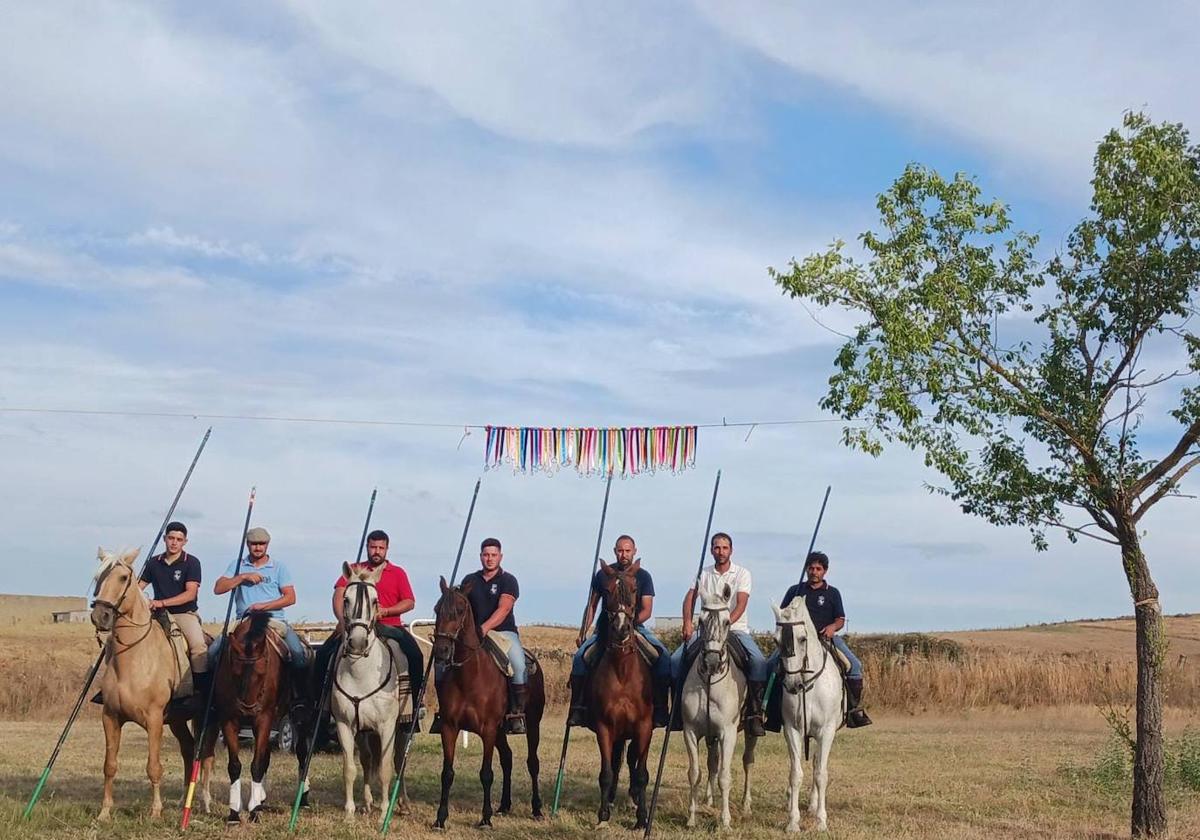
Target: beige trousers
x,y
189,625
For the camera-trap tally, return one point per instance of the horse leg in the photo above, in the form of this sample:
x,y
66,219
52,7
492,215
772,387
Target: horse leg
x,y
187,746
505,751
714,768
259,764
795,743
639,774
728,745
618,755
747,763
449,742
372,752
692,743
207,758
112,745
303,730
235,772
387,749
816,805
346,738
154,736
486,776
533,739
402,807
604,740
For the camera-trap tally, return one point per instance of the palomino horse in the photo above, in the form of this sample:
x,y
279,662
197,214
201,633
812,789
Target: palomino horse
x,y
813,706
142,675
366,692
473,696
713,694
252,683
619,695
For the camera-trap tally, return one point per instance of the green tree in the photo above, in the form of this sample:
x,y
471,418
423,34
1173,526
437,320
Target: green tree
x,y
1026,383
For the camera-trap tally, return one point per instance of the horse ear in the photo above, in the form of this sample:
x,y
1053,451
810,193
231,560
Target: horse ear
x,y
129,556
466,586
635,567
607,568
375,574
442,584
346,571
100,553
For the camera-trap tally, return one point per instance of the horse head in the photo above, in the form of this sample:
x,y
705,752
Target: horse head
x,y
250,662
793,629
360,607
114,581
620,600
714,627
452,618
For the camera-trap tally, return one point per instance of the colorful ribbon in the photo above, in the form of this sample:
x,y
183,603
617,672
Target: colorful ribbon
x,y
611,451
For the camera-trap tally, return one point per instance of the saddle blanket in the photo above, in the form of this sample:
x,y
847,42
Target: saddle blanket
x,y
648,652
498,646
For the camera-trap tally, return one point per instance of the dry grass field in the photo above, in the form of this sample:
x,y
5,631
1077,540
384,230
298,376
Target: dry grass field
x,y
980,734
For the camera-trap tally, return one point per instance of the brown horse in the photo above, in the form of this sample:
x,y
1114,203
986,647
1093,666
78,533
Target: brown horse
x,y
620,695
252,684
142,674
473,695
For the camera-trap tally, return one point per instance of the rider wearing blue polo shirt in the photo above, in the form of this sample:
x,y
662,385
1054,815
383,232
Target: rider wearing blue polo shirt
x,y
264,585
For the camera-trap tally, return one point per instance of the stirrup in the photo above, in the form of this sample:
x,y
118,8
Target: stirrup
x,y
514,724
857,718
577,716
435,728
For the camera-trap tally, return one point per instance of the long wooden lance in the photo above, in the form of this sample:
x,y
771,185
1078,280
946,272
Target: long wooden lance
x,y
803,579
562,760
324,696
91,675
198,745
412,727
662,758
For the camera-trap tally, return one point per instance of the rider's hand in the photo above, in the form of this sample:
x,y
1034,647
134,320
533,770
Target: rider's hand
x,y
259,607
251,578
578,642
687,630
156,605
829,632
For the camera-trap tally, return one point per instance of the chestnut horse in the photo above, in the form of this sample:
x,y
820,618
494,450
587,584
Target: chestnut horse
x,y
142,674
252,683
473,696
620,695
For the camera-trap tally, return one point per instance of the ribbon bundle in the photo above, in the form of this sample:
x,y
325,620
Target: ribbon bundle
x,y
592,451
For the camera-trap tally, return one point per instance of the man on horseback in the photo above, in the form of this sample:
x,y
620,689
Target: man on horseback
x,y
265,586
824,604
713,581
395,599
625,550
492,593
175,576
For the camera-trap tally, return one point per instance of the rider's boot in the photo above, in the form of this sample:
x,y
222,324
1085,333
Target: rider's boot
x,y
98,698
514,721
752,722
577,712
435,728
855,716
662,709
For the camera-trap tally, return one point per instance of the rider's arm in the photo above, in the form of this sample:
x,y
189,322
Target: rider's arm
x,y
285,600
339,594
189,595
589,614
839,613
407,600
688,599
647,609
497,618
739,607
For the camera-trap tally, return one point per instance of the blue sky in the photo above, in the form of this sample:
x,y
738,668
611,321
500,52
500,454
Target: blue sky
x,y
558,215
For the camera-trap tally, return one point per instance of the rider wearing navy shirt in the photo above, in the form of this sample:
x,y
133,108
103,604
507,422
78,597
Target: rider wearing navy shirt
x,y
824,604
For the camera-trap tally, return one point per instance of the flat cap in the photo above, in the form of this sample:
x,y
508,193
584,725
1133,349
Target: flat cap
x,y
258,535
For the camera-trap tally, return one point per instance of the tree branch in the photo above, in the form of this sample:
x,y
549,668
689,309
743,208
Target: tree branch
x,y
1189,439
1166,487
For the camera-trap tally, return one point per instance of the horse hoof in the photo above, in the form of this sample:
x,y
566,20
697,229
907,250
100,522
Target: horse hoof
x,y
104,816
538,816
484,825
822,827
793,828
304,800
438,825
503,811
232,818
256,815
402,809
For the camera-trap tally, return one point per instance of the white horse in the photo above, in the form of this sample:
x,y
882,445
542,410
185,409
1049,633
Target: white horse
x,y
713,694
813,706
366,697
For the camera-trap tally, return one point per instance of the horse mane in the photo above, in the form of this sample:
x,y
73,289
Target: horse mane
x,y
256,628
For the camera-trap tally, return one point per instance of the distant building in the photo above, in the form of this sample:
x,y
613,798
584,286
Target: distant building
x,y
666,623
69,616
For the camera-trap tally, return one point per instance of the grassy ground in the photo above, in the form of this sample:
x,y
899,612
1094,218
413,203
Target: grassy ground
x,y
1036,774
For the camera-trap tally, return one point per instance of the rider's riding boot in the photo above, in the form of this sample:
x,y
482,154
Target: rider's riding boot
x,y
752,721
435,728
662,709
514,721
577,713
202,685
98,698
855,716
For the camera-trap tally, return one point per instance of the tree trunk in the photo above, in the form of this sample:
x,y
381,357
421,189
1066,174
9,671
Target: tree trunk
x,y
1149,813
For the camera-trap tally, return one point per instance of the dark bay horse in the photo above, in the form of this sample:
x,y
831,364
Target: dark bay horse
x,y
252,684
473,695
620,695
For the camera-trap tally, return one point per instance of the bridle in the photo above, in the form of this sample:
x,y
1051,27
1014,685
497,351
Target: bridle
x,y
787,650
251,710
611,612
722,652
114,607
360,618
463,616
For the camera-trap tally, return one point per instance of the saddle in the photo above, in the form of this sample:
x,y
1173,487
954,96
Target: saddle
x,y
647,651
183,660
733,646
774,702
276,630
498,646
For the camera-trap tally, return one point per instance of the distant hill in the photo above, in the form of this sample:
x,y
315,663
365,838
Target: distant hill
x,y
1102,636
36,609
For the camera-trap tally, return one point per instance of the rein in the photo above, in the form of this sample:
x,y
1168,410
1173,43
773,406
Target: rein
x,y
611,612
453,638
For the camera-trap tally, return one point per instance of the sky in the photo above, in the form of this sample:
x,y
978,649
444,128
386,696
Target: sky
x,y
550,214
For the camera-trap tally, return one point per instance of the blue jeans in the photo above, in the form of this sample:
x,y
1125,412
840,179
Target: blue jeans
x,y
756,668
662,668
516,656
840,644
297,650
